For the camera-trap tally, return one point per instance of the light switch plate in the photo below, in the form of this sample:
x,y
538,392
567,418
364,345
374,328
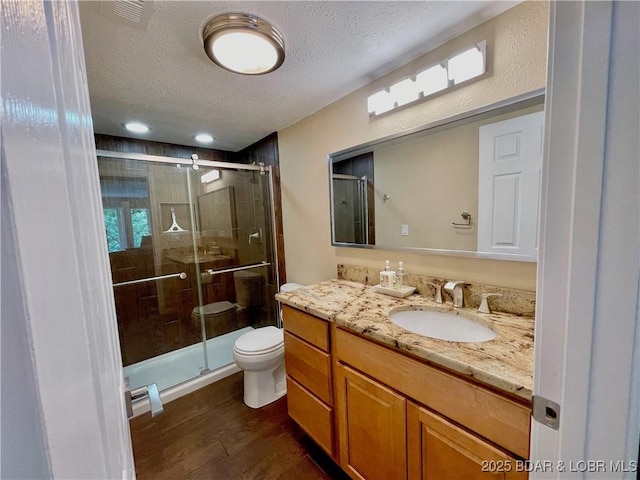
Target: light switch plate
x,y
405,230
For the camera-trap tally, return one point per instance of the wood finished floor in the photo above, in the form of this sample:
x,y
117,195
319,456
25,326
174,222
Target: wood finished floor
x,y
212,434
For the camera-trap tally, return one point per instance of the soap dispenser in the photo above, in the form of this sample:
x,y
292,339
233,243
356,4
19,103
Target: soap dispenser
x,y
387,277
399,276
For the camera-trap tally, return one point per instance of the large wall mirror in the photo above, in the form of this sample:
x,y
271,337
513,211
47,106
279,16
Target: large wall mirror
x,y
468,185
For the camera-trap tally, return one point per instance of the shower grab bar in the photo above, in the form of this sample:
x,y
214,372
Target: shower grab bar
x,y
211,271
180,275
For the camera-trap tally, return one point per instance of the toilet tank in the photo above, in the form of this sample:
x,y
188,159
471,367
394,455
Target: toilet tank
x,y
287,287
249,288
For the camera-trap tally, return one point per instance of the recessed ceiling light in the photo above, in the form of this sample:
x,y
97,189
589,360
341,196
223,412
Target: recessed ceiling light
x,y
204,138
136,127
243,43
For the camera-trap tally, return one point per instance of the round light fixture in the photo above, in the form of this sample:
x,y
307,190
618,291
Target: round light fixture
x,y
204,138
243,43
136,127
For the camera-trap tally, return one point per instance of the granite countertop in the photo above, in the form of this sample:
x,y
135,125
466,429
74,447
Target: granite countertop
x,y
188,258
505,362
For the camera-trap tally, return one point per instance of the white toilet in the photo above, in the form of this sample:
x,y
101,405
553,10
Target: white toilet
x,y
260,353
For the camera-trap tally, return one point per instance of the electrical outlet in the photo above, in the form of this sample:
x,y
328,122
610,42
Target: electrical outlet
x,y
405,230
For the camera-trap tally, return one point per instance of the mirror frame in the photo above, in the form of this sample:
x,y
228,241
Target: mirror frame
x,y
509,105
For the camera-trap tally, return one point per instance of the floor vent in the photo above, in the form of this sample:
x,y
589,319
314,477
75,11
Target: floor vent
x,y
132,12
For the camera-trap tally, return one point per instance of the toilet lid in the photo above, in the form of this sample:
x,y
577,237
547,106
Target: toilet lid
x,y
259,341
287,287
243,274
215,308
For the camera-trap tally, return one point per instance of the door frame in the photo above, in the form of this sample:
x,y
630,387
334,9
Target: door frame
x,y
586,336
53,212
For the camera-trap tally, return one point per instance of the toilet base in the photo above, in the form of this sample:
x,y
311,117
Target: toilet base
x,y
264,387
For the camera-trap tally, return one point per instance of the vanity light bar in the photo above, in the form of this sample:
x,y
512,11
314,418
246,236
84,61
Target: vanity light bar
x,y
210,176
450,72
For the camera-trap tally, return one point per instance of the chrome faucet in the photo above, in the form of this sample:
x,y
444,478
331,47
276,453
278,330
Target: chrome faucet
x,y
455,288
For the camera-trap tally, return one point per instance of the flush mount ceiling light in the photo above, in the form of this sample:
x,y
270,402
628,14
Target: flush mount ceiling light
x,y
136,127
243,43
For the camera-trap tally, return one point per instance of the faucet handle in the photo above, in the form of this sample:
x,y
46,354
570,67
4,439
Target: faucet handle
x,y
484,305
438,295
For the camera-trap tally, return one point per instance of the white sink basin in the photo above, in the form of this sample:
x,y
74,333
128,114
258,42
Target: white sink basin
x,y
442,325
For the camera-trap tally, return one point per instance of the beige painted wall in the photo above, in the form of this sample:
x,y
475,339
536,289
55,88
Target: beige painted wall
x,y
516,59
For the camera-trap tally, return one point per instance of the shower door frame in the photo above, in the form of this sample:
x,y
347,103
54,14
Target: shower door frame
x,y
191,163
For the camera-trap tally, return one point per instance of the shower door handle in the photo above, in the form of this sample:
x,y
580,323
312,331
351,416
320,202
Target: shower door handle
x,y
149,391
211,271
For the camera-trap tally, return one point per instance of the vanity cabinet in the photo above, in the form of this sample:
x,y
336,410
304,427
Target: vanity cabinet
x,y
309,375
454,428
382,414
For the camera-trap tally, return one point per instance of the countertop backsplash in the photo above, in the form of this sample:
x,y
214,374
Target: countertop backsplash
x,y
513,301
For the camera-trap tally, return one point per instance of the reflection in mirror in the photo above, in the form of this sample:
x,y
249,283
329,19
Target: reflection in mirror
x,y
467,185
217,213
353,200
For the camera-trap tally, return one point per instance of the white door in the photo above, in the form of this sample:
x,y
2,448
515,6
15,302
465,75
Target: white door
x,y
510,164
63,412
587,335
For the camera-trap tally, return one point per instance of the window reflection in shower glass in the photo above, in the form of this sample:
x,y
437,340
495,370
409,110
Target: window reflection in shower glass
x,y
140,225
124,222
114,227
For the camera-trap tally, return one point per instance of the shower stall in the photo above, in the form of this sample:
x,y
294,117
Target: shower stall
x,y
194,263
351,221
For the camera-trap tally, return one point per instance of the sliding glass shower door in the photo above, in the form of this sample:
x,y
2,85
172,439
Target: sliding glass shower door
x,y
192,258
351,222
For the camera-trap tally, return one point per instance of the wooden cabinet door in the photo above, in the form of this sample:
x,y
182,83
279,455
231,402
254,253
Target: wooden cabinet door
x,y
439,450
371,426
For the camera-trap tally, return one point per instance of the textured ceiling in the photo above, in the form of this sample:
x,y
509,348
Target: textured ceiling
x,y
161,76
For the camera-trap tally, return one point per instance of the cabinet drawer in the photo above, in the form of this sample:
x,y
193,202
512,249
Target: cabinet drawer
x,y
312,329
309,366
313,416
489,414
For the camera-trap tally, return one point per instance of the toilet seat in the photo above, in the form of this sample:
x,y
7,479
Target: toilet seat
x,y
261,341
287,287
212,309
